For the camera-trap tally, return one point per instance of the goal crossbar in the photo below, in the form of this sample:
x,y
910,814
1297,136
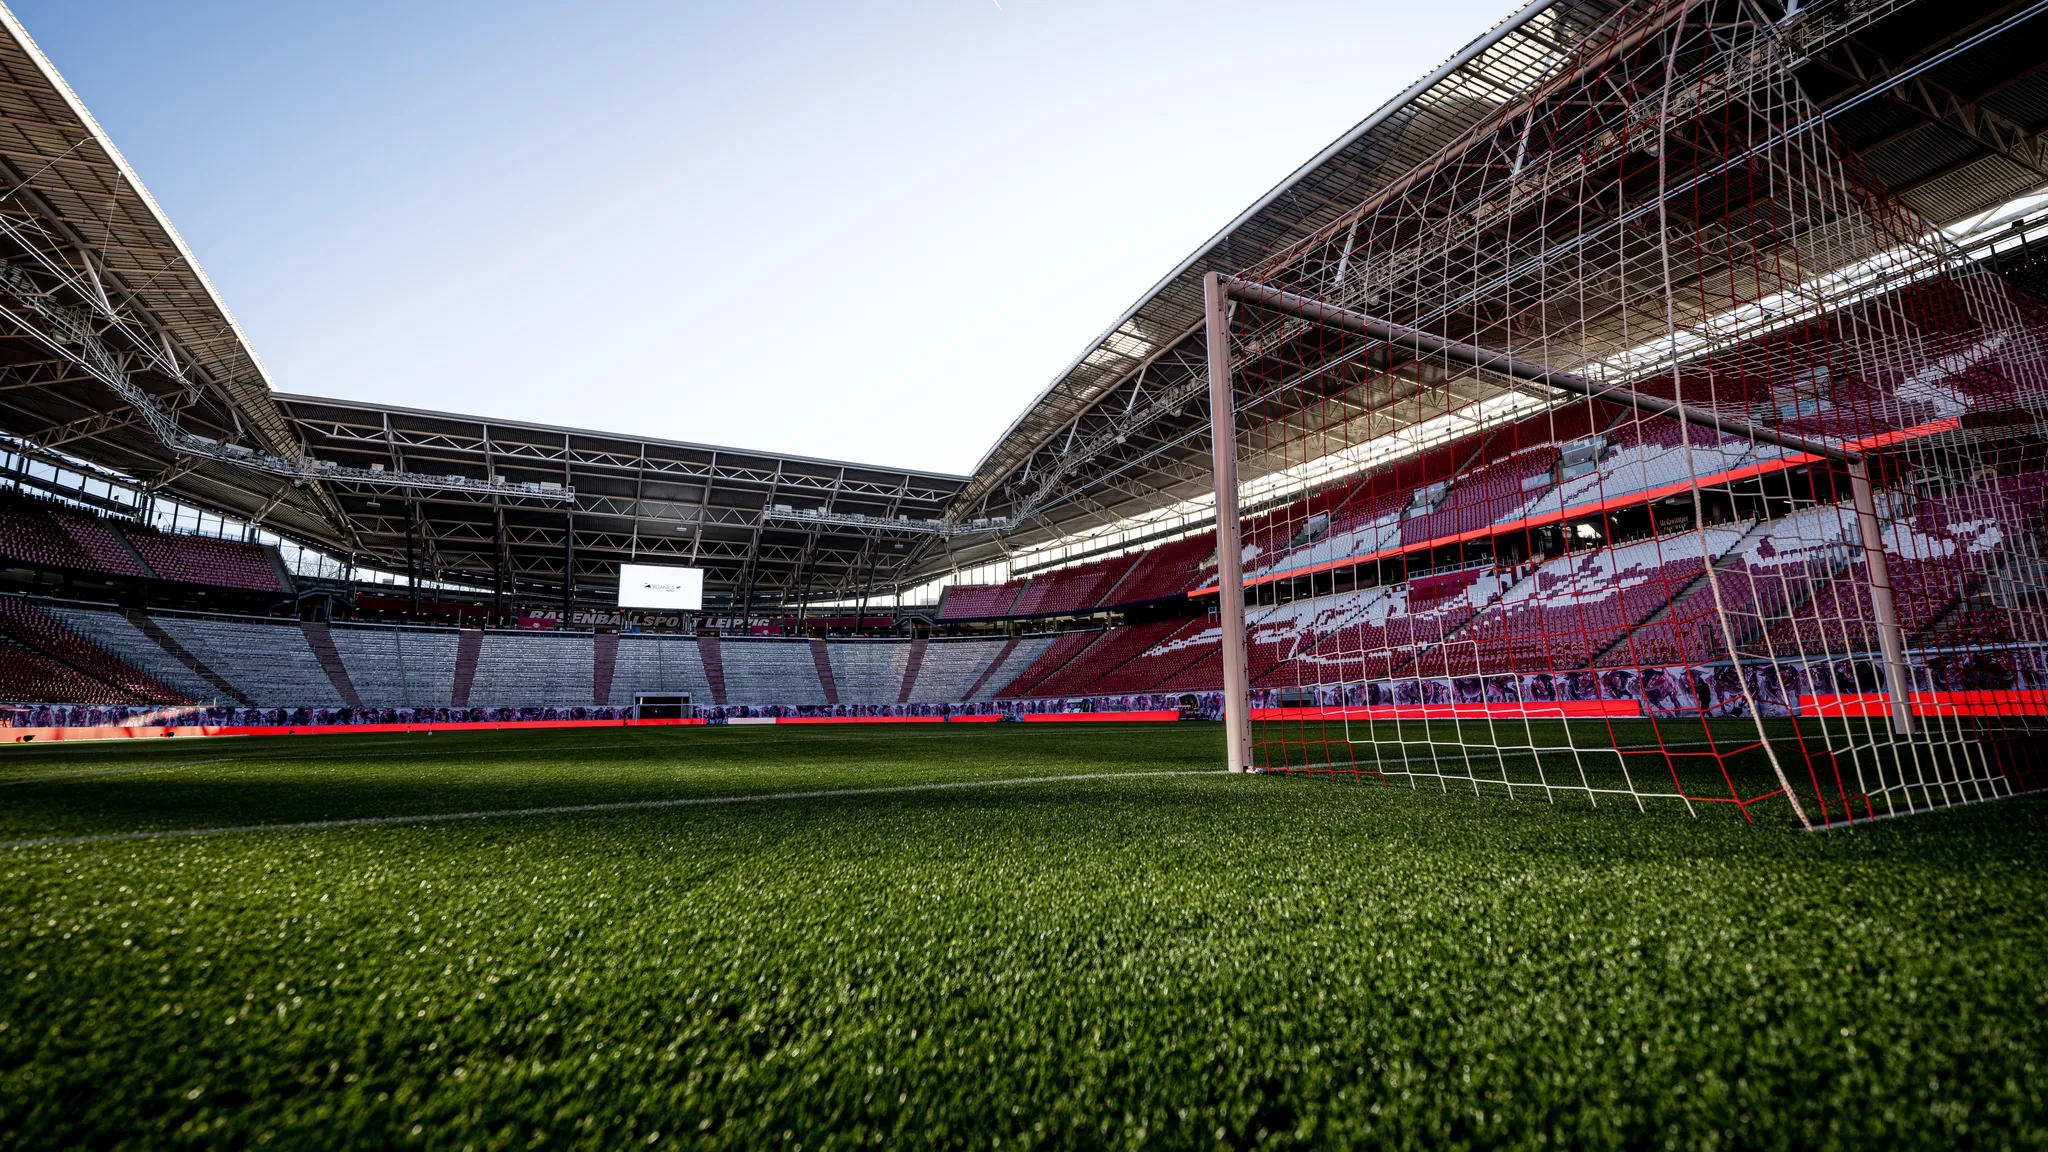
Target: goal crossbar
x,y
1220,290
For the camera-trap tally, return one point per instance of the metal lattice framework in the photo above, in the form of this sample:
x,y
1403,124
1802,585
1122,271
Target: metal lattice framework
x,y
115,348
1777,534
769,529
1941,104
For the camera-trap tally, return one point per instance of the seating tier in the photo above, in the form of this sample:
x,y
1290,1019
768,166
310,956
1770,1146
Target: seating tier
x,y
116,634
399,667
665,664
772,672
533,669
950,668
270,663
867,671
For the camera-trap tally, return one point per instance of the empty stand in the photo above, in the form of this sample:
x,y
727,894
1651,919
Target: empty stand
x,y
204,560
1167,570
711,653
1071,589
322,644
399,667
30,677
821,659
269,664
1015,664
533,669
1794,587
117,634
1493,492
1053,656
1164,659
98,543
1003,651
952,668
979,601
1110,651
469,646
911,667
604,665
32,628
1571,611
51,535
771,672
660,664
868,671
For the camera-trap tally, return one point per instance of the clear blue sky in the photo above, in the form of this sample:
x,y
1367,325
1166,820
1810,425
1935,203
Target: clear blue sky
x,y
871,231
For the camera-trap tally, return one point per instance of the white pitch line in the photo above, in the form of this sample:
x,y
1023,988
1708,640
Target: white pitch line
x,y
568,809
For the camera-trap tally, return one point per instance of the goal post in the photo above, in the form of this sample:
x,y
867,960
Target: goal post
x,y
1944,768
1658,459
1229,557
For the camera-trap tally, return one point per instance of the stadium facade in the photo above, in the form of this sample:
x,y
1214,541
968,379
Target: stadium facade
x,y
1739,201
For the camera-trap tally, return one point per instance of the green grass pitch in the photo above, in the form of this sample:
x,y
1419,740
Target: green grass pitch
x,y
1159,955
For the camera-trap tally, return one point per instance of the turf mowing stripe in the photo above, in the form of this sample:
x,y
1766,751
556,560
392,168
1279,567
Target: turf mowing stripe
x,y
569,809
117,771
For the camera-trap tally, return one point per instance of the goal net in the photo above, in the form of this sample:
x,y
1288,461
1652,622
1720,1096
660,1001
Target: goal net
x,y
1636,448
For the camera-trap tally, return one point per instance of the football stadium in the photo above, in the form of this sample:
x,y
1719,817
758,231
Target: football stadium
x,y
1535,633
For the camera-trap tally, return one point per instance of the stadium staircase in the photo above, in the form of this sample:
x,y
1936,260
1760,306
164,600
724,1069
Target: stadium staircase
x,y
1310,640
390,667
1065,648
1095,668
1416,654
321,641
911,669
821,657
868,671
1011,668
1108,595
1179,676
1950,610
1663,612
182,655
714,667
1809,591
952,667
107,676
284,574
468,645
132,554
604,664
981,681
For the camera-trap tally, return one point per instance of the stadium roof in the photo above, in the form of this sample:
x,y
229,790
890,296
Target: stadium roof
x,y
95,281
1120,432
748,518
115,348
76,211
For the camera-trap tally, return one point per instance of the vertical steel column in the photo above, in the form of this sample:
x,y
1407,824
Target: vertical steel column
x,y
568,570
1237,728
412,567
803,603
1898,684
860,614
498,569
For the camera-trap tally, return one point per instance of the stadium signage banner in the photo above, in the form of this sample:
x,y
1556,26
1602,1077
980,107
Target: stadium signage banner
x,y
550,620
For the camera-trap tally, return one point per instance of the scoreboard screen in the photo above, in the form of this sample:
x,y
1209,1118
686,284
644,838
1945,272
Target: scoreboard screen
x,y
654,586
